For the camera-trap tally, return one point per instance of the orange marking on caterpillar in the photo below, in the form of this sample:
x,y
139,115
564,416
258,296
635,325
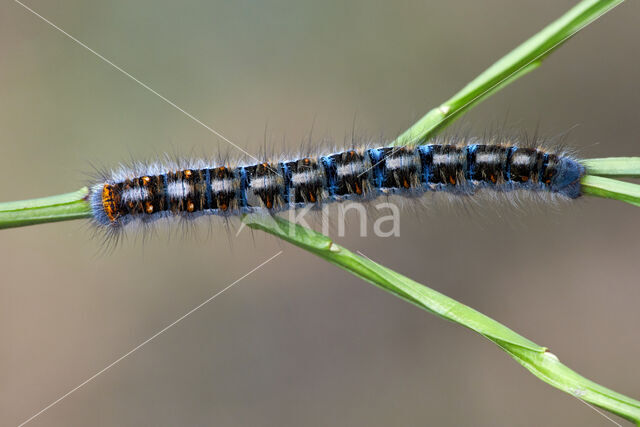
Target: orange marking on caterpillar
x,y
108,202
358,189
452,180
148,207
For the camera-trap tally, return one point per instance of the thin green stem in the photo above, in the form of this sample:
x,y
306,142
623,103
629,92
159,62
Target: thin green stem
x,y
611,189
533,357
62,207
628,167
522,60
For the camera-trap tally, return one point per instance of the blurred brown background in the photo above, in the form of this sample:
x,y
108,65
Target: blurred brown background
x,y
301,342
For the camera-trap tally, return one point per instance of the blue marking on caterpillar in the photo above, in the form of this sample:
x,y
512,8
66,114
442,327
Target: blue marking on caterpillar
x,y
470,151
244,184
330,170
207,186
165,182
377,162
426,157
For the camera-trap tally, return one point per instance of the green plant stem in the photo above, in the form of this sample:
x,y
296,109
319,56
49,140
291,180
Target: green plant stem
x,y
62,207
611,189
614,166
522,60
533,357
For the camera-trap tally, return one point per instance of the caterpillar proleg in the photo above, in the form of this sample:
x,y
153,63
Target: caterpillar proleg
x,y
149,193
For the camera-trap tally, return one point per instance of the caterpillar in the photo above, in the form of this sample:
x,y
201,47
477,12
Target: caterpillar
x,y
148,193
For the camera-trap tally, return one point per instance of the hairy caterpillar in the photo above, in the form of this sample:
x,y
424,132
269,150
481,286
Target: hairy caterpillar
x,y
149,193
